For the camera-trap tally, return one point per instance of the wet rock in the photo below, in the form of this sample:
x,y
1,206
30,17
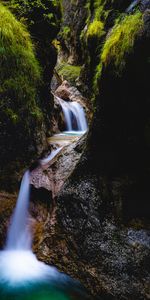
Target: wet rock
x,y
70,42
113,260
142,4
53,175
7,204
62,91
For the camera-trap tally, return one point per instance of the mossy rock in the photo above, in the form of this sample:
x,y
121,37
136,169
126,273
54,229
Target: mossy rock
x,y
121,39
69,72
95,29
20,76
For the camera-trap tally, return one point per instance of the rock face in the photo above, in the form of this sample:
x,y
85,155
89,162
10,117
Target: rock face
x,y
112,257
52,176
103,209
74,16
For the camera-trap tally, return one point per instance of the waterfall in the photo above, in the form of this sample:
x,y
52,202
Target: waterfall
x,y
74,115
78,111
67,114
19,236
18,264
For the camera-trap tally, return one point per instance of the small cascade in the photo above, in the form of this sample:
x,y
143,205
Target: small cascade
x,y
53,153
75,118
19,237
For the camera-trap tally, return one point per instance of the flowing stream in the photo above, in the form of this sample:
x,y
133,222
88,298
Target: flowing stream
x,y
22,275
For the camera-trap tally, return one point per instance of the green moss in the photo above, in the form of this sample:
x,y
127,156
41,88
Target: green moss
x,y
121,40
65,32
56,44
96,28
97,76
17,59
20,75
69,72
100,12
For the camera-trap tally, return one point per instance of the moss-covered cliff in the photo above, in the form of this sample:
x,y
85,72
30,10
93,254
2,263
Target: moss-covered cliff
x,y
26,71
21,118
42,19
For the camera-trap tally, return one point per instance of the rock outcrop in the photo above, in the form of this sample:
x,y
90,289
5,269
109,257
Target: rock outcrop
x,y
52,176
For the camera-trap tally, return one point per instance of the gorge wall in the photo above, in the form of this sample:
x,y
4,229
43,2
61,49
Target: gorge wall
x,y
103,209
96,230
26,70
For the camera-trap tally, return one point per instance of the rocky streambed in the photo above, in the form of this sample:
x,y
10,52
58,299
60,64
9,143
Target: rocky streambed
x,y
77,227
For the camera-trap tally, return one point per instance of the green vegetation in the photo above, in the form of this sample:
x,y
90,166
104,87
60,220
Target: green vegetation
x,y
19,76
100,12
65,33
121,40
96,77
19,69
69,72
42,17
96,28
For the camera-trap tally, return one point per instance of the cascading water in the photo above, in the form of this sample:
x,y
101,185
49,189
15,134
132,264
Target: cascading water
x,y
74,116
22,275
19,237
18,264
50,156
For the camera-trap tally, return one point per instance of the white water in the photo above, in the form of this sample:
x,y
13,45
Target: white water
x,y
19,236
19,267
18,264
53,153
71,133
74,116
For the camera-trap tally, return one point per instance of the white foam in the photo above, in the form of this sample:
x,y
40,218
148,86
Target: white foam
x,y
21,267
73,110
